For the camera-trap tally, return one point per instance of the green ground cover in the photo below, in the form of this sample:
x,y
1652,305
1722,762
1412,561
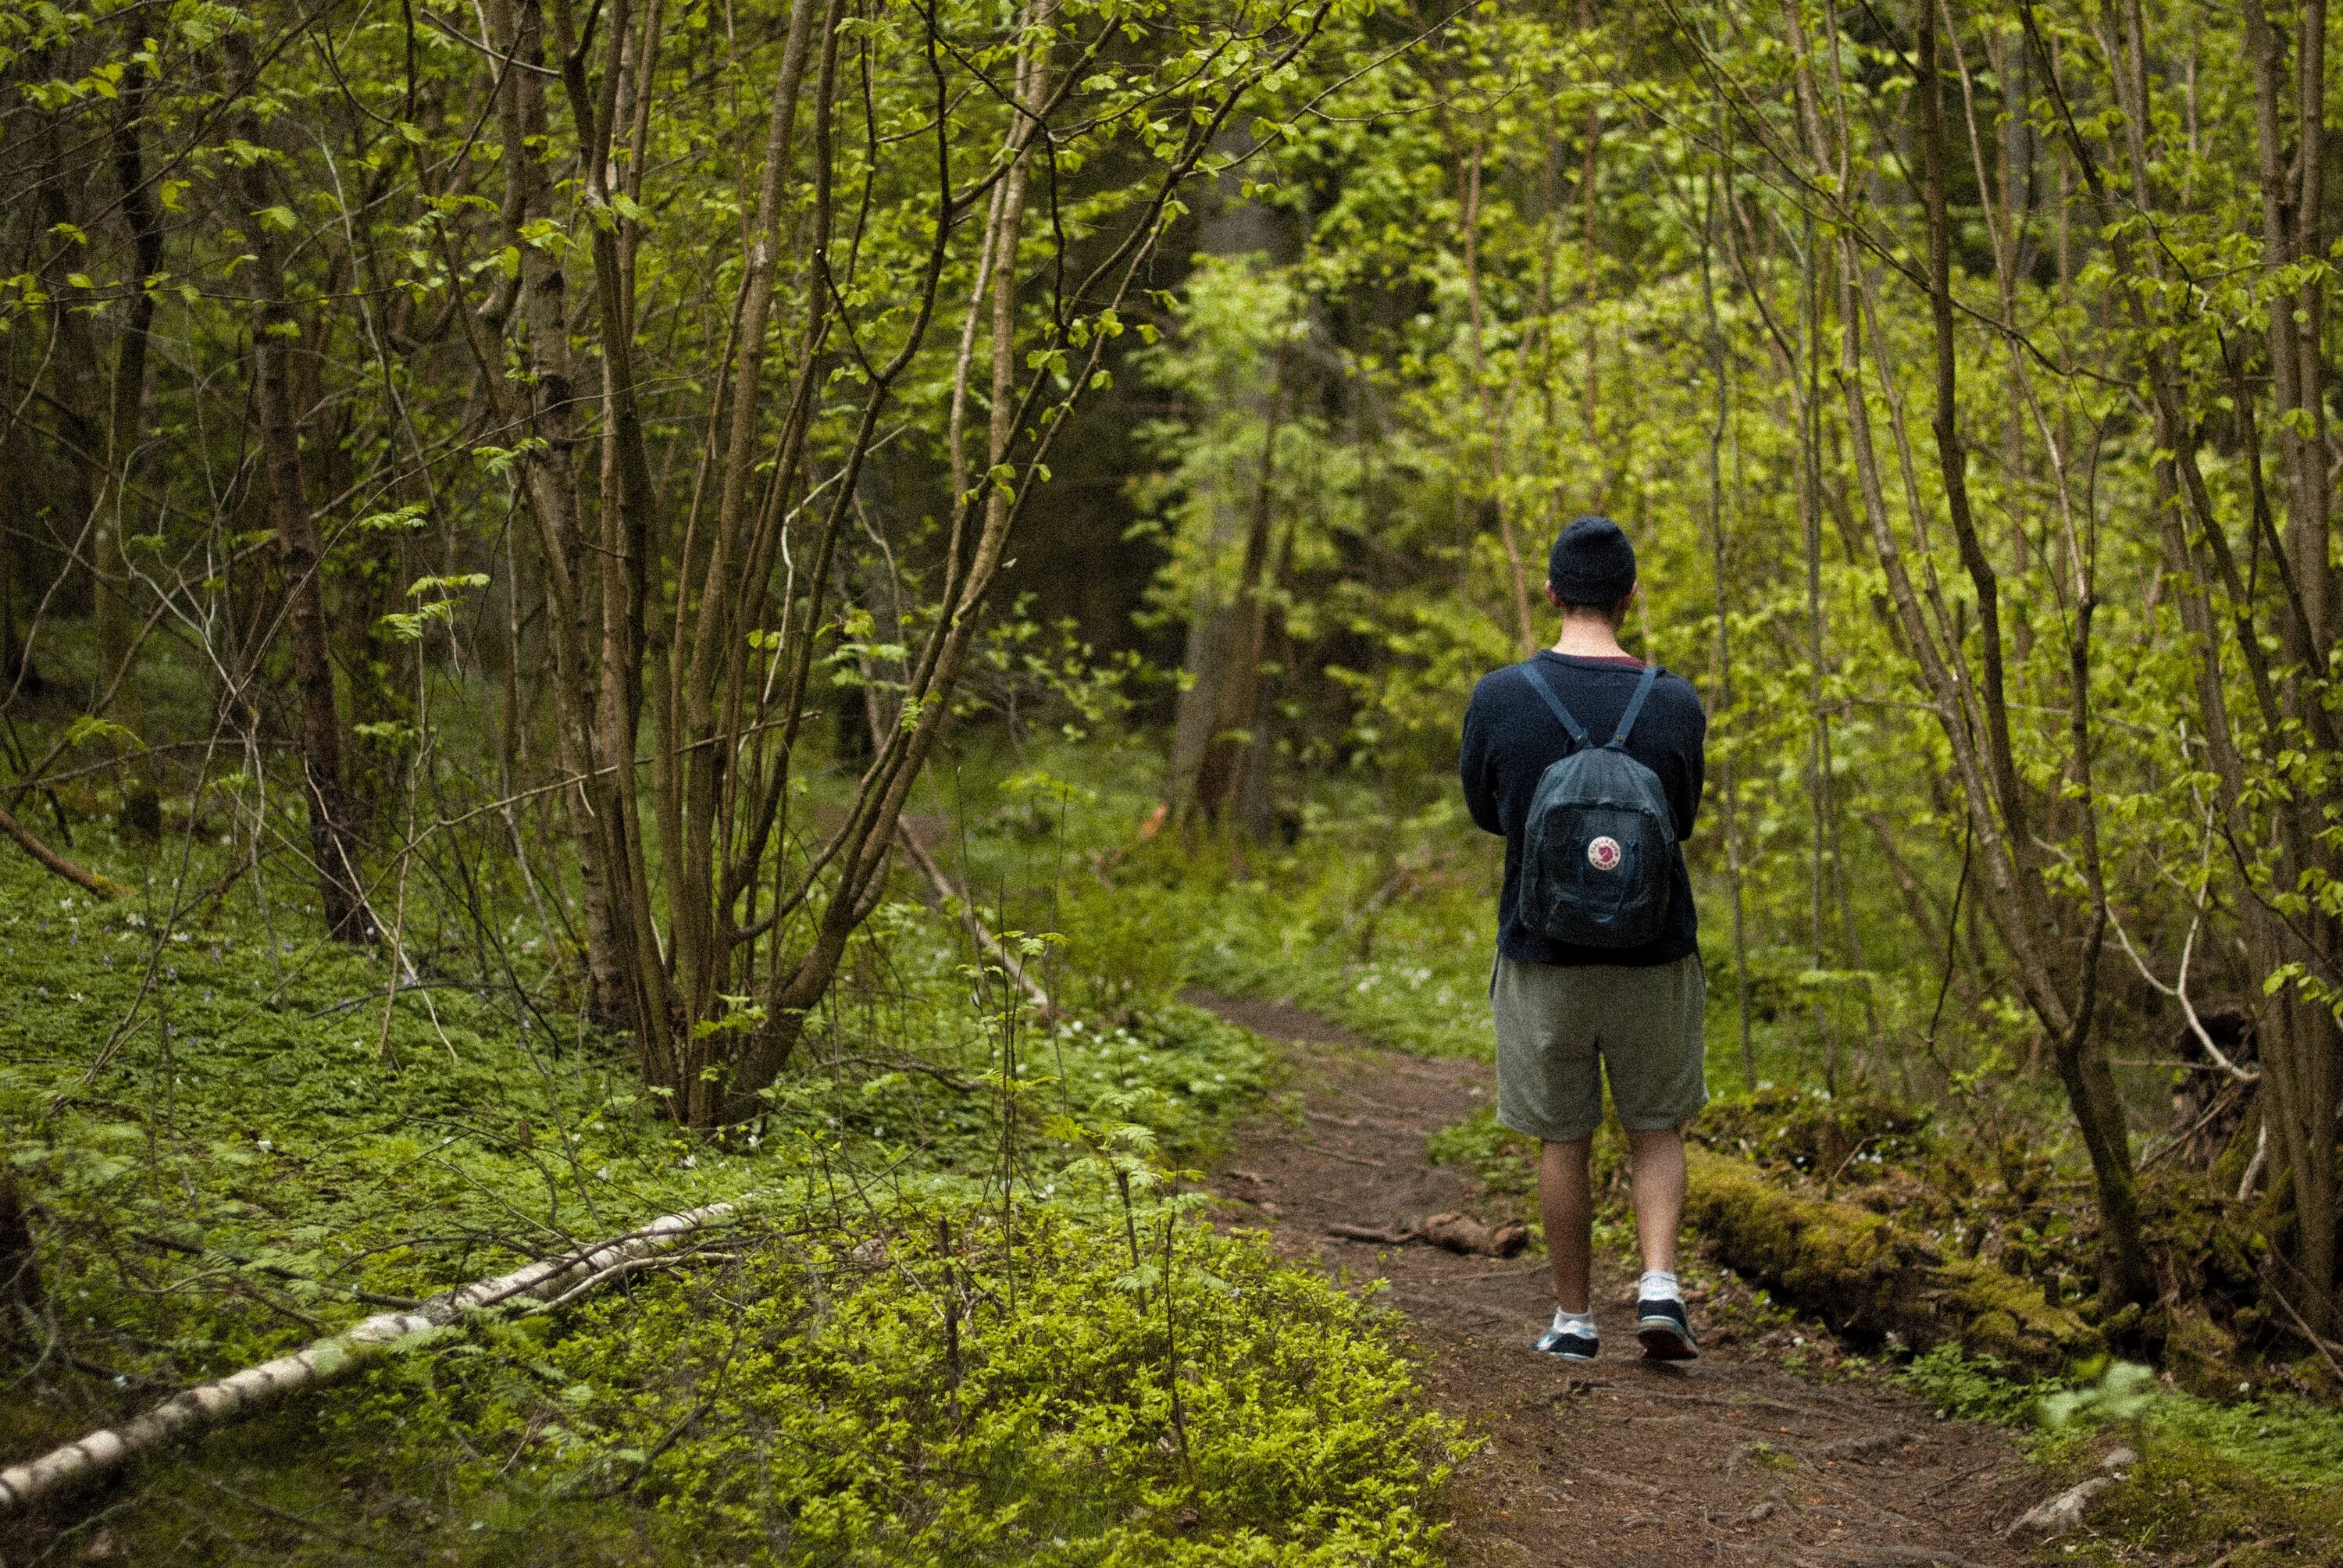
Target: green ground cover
x,y
2258,1479
230,1140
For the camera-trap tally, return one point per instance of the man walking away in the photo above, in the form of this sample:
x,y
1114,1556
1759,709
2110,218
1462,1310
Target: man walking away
x,y
1590,764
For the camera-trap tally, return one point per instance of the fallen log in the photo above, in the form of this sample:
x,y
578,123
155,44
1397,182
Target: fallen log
x,y
1457,1232
1868,1277
335,1356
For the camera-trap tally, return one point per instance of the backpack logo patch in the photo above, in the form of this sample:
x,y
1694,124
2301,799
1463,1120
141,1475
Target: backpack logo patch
x,y
1603,853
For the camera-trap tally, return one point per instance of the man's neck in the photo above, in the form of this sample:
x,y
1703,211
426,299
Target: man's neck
x,y
1587,637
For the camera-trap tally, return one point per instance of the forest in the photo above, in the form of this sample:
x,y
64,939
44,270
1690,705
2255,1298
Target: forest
x,y
701,700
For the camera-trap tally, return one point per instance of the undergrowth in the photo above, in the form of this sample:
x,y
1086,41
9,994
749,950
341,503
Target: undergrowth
x,y
230,1140
2255,1477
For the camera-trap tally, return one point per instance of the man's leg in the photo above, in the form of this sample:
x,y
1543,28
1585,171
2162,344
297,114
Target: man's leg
x,y
1655,1167
1653,1057
1550,1087
1655,1170
1566,1203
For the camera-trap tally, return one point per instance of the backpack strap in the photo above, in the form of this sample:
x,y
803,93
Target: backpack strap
x,y
1538,683
1634,706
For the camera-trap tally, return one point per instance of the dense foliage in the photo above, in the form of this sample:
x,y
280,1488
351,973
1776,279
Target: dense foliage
x,y
602,605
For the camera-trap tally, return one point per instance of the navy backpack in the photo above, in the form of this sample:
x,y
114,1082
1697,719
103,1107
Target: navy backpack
x,y
1600,847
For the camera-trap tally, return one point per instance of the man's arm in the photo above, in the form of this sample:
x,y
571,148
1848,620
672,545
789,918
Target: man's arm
x,y
1473,764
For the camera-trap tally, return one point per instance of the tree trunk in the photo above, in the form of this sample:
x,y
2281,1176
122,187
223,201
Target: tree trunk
x,y
1493,419
2082,1064
117,631
550,406
274,331
2303,1076
335,1356
1237,710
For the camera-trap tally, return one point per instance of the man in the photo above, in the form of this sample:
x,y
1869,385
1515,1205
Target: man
x,y
1639,1011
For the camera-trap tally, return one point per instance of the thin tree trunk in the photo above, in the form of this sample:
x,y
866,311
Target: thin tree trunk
x,y
1728,785
859,850
1238,710
125,409
2300,1073
1215,641
274,330
1493,421
2082,1066
706,629
1818,759
549,406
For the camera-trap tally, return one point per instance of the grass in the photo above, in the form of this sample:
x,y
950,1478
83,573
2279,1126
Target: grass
x,y
1384,927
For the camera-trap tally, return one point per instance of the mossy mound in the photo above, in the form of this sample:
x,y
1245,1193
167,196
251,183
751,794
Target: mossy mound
x,y
1870,1278
1812,1133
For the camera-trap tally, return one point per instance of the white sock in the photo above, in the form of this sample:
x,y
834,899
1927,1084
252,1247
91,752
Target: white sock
x,y
1573,1323
1658,1285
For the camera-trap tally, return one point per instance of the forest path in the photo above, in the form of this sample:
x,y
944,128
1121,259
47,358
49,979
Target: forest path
x,y
1619,1463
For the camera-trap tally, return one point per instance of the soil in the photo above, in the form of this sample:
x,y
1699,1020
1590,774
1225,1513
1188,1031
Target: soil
x,y
1746,1455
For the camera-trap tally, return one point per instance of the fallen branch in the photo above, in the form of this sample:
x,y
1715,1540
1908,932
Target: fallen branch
x,y
631,1266
89,881
1399,880
908,1064
335,1356
1459,1232
1451,1233
274,1271
2326,1348
946,893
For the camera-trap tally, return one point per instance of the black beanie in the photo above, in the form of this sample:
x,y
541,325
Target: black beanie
x,y
1591,564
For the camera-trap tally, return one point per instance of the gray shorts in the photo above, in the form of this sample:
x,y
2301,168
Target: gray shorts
x,y
1647,1026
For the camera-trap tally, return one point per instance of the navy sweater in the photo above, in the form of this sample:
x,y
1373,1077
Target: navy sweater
x,y
1511,737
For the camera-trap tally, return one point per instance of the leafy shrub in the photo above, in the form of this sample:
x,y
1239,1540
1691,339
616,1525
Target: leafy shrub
x,y
249,1156
1975,1388
895,1401
1123,953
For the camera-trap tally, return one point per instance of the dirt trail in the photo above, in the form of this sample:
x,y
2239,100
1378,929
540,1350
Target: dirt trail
x,y
1616,1463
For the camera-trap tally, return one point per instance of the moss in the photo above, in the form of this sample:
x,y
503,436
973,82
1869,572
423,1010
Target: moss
x,y
2187,1493
1869,1278
2201,1357
1812,1133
